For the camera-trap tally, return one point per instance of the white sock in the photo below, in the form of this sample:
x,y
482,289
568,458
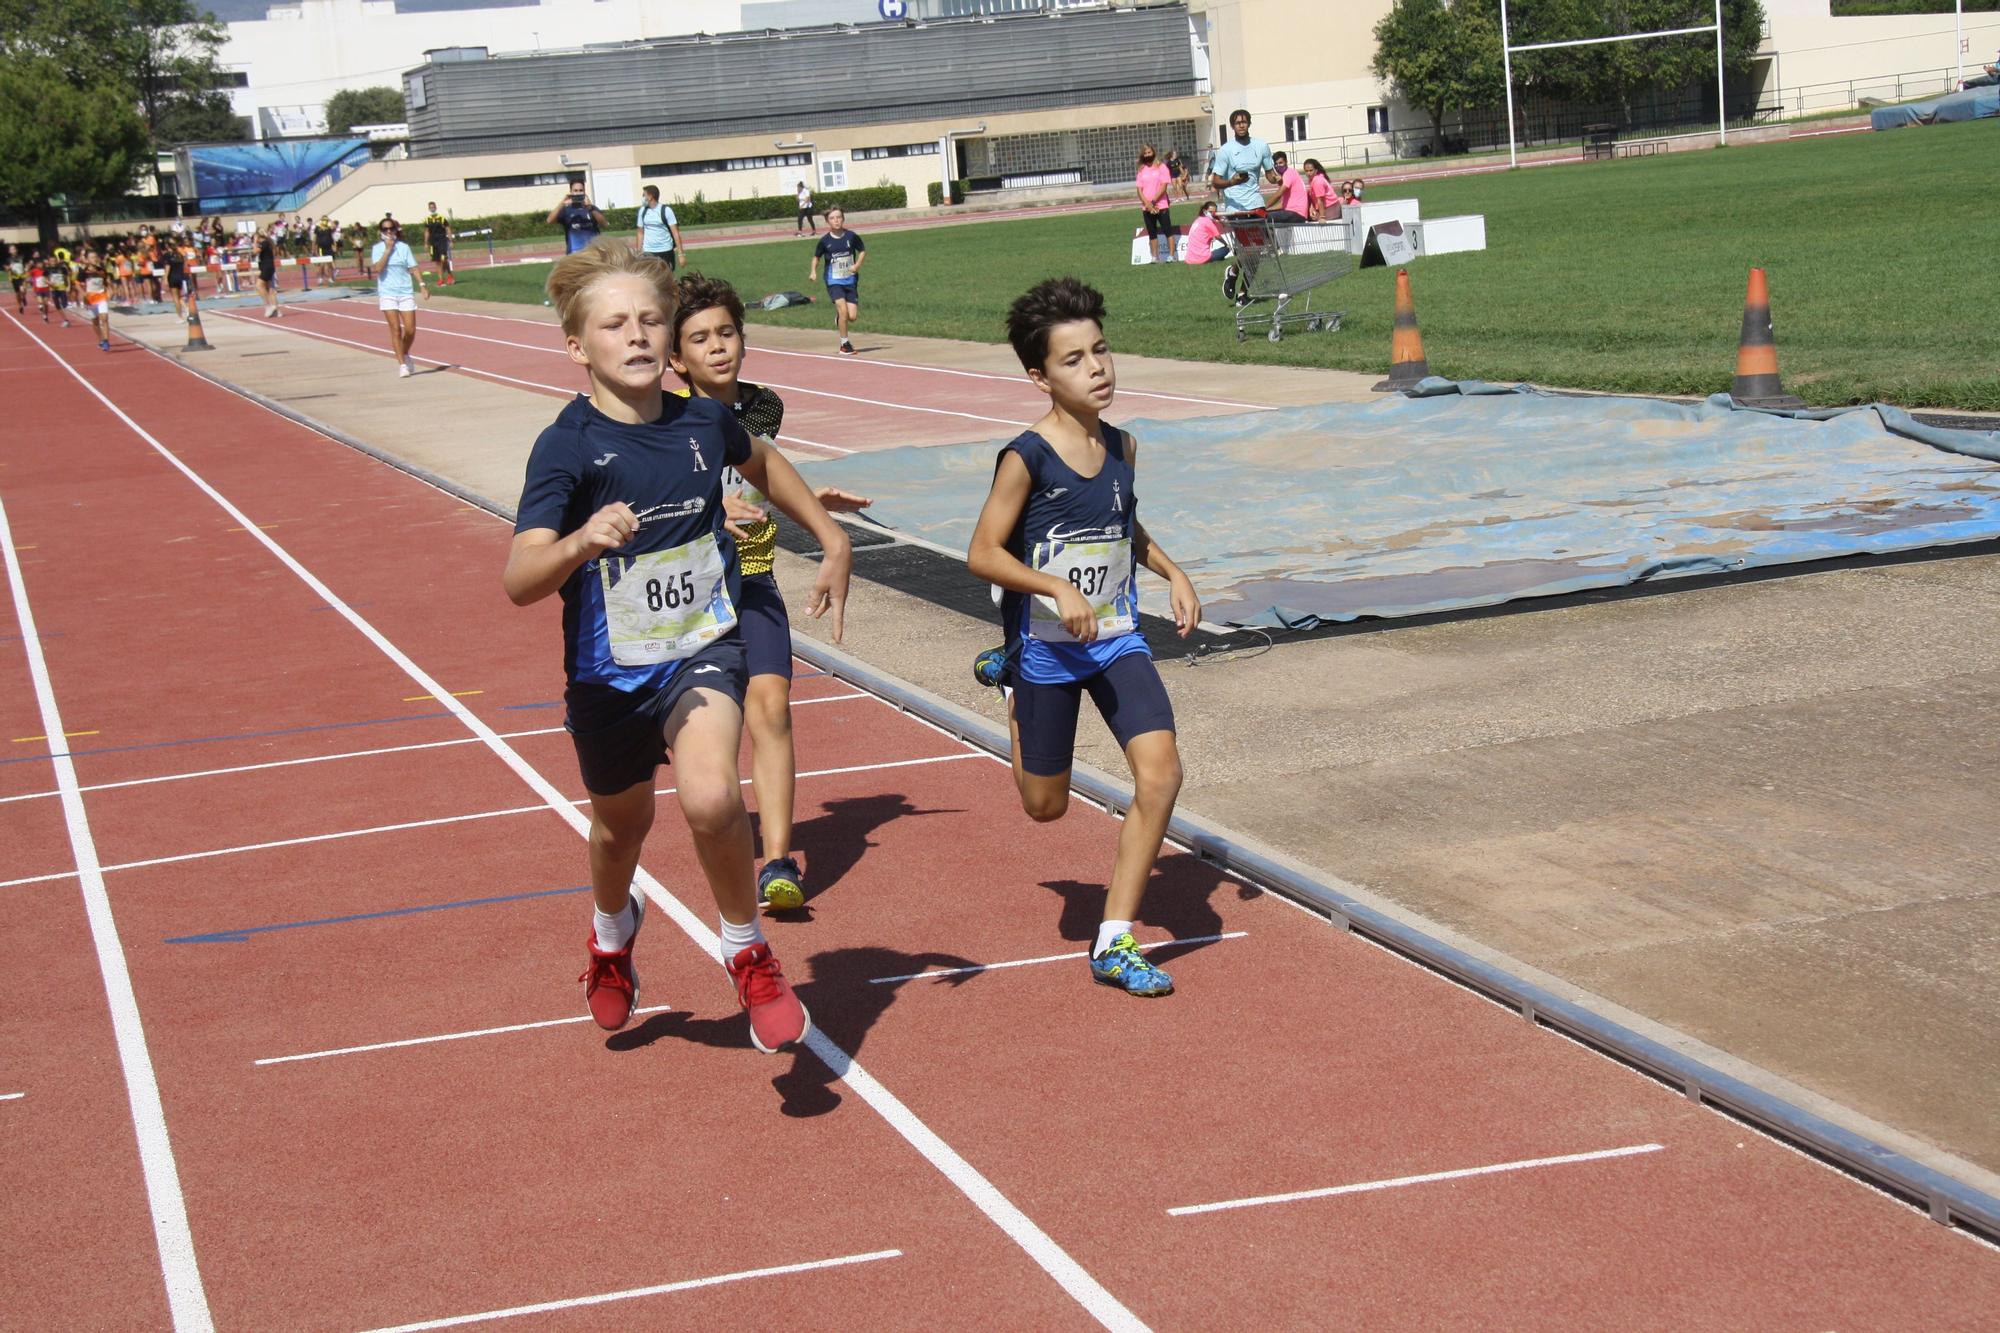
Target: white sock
x,y
614,932
735,938
1108,932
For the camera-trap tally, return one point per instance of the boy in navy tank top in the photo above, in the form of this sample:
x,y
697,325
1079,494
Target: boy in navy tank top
x,y
622,514
1060,536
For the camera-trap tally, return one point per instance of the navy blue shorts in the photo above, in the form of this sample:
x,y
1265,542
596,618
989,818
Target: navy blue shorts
x,y
1128,693
849,292
766,628
620,736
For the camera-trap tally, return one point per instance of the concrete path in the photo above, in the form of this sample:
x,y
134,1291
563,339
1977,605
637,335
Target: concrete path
x,y
1755,819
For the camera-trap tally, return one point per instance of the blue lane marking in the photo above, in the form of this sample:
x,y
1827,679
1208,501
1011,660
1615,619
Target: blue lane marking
x,y
512,708
242,934
238,736
22,638
807,675
351,606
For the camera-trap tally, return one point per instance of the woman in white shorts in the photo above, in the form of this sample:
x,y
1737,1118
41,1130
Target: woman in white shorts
x,y
397,281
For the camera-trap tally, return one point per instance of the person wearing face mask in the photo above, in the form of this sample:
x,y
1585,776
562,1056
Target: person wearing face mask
x,y
1154,180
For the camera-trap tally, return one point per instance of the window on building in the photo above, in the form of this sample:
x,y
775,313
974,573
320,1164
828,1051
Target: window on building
x,y
1378,120
714,164
926,149
833,173
517,182
1295,128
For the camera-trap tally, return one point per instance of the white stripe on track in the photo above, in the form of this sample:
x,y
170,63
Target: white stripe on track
x,y
12,1096
936,973
785,437
1084,1289
1369,1186
348,754
186,1300
789,388
443,1036
665,1288
762,350
343,834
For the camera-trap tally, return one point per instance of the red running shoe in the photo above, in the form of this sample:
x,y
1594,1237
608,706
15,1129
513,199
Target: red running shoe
x,y
776,1016
610,984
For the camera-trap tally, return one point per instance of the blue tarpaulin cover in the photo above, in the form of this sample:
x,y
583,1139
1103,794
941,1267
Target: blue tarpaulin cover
x,y
1972,104
1466,495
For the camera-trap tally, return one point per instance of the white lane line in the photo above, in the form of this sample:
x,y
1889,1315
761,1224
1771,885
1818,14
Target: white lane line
x,y
789,388
350,754
762,350
442,819
12,1096
665,1288
444,1036
786,437
288,763
186,1300
1071,1276
1370,1185
936,973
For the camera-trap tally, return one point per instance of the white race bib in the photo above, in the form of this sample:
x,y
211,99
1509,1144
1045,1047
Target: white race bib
x,y
664,606
840,268
1102,572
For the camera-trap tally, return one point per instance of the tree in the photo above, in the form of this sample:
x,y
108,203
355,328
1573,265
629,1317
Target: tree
x,y
364,106
64,139
199,117
1439,57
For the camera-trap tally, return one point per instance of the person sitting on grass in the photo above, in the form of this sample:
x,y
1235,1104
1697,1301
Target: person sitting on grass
x,y
1060,534
621,513
1204,238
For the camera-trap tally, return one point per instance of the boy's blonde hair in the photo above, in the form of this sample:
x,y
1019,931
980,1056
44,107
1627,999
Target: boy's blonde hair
x,y
572,277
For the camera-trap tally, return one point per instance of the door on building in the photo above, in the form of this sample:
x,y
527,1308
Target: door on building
x,y
615,189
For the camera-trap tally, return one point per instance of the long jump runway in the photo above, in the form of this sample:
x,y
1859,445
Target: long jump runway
x,y
290,1035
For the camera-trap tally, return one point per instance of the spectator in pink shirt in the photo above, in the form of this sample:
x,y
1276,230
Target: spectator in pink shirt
x,y
1292,204
1323,199
1154,178
1205,237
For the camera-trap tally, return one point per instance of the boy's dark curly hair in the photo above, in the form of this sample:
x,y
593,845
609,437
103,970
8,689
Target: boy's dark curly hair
x,y
1041,308
698,292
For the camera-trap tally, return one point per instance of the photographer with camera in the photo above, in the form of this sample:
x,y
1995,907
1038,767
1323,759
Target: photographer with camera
x,y
579,218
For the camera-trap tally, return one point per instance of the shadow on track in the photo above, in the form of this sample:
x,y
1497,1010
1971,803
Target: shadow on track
x,y
845,1007
1177,900
833,843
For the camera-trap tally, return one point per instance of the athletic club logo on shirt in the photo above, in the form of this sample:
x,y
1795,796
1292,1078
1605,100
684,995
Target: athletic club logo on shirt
x,y
1117,502
695,446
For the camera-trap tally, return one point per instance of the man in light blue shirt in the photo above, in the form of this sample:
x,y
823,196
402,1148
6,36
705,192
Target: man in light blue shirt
x,y
659,229
1242,167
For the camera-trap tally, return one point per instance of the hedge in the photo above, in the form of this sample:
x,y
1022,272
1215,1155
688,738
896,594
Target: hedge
x,y
696,212
935,192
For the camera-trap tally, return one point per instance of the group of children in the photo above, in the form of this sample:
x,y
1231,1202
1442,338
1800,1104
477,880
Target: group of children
x,y
648,512
63,281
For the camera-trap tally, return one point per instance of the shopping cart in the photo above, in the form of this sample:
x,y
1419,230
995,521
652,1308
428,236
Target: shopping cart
x,y
1278,264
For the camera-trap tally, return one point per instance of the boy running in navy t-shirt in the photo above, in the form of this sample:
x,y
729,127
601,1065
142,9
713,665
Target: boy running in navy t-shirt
x,y
622,513
1060,535
843,252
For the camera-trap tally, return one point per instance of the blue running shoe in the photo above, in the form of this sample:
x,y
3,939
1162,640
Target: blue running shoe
x,y
990,667
1123,966
781,885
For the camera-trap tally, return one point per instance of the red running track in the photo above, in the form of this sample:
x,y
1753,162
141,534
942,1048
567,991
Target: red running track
x,y
834,404
351,972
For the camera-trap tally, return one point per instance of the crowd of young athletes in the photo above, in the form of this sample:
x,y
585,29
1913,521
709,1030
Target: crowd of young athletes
x,y
648,510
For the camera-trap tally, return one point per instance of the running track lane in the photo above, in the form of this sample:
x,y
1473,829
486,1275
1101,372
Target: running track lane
x,y
834,405
1295,1059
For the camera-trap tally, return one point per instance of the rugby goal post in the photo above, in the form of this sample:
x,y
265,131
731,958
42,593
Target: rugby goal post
x,y
1507,50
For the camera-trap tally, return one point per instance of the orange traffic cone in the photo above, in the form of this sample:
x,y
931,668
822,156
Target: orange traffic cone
x,y
1757,383
1406,346
197,341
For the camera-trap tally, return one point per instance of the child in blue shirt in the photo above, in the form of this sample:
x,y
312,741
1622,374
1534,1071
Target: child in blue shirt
x,y
1060,536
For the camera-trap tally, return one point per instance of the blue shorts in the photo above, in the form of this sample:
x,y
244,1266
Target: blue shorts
x,y
1128,693
620,735
849,292
766,628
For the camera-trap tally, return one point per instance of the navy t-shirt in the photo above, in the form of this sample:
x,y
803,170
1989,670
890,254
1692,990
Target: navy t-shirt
x,y
669,471
1068,512
838,253
579,225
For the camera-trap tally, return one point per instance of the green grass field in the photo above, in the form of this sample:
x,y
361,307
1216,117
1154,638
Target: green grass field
x,y
1883,252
